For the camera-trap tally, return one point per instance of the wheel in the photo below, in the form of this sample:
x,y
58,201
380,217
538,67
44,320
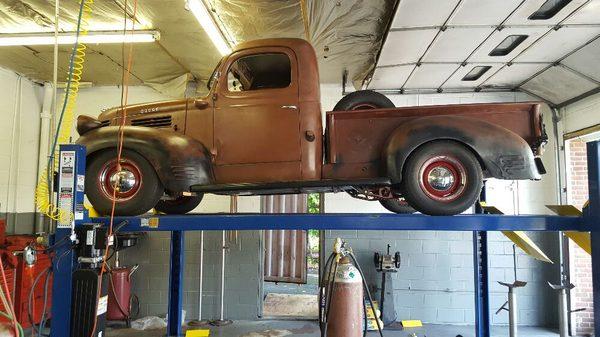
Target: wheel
x,y
363,100
139,188
399,206
179,205
442,178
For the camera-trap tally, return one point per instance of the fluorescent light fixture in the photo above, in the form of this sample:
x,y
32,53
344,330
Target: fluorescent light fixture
x,y
207,22
92,37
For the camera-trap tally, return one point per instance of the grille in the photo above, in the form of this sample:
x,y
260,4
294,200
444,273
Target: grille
x,y
153,122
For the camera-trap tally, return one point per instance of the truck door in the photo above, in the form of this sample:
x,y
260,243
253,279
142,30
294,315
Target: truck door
x,y
256,118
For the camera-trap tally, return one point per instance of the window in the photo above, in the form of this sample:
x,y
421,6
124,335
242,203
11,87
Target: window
x,y
508,45
261,71
476,73
549,9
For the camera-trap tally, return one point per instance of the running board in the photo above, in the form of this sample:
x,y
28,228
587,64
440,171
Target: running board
x,y
290,187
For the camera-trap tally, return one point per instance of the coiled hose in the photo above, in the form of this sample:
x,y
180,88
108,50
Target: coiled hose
x,y
65,122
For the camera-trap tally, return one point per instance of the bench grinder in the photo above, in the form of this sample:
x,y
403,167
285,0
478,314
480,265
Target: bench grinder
x,y
387,264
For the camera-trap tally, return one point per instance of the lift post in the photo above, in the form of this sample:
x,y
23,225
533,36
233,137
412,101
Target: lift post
x,y
479,224
70,201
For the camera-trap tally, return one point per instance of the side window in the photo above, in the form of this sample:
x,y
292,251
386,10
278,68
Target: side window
x,y
260,71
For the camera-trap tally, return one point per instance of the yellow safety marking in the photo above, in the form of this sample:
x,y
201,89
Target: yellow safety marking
x,y
197,333
520,239
412,323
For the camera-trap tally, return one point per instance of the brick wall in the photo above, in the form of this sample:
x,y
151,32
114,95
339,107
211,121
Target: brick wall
x,y
580,261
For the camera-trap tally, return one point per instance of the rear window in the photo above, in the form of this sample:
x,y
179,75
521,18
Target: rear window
x,y
261,71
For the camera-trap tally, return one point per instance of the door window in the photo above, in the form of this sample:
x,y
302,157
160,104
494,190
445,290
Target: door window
x,y
260,71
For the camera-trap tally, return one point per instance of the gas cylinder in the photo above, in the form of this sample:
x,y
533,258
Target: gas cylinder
x,y
119,290
345,318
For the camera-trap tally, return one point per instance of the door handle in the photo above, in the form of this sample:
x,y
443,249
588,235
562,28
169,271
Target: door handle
x,y
289,107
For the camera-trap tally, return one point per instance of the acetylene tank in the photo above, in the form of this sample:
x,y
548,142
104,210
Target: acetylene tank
x,y
346,310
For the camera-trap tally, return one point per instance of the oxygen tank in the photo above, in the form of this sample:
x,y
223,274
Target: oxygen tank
x,y
345,317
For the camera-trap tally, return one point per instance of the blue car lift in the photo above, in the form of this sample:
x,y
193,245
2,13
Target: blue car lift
x,y
479,224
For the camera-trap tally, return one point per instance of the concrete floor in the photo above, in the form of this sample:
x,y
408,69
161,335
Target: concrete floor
x,y
269,328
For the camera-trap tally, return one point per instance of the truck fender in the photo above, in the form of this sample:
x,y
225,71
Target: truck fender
x,y
502,153
179,161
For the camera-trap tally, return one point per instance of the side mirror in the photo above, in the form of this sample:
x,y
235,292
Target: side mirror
x,y
200,104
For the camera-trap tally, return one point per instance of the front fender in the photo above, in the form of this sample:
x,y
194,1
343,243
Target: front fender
x,y
502,153
179,161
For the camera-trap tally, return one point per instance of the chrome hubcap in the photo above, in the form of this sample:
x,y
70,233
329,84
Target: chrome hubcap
x,y
440,178
123,181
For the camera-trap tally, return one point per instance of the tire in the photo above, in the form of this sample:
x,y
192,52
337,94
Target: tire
x,y
459,178
180,205
363,100
145,188
399,206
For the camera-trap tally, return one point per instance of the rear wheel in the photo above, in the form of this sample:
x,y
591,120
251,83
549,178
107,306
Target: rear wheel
x,y
137,185
398,205
363,100
179,205
442,178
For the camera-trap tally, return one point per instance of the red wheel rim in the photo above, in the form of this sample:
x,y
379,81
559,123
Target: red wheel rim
x,y
129,179
443,178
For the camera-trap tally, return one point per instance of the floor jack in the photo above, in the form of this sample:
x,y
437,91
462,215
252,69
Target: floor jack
x,y
387,264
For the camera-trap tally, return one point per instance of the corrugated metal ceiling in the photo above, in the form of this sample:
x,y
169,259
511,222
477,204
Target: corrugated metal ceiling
x,y
433,44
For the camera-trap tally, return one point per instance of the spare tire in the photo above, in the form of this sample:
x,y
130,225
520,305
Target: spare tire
x,y
363,100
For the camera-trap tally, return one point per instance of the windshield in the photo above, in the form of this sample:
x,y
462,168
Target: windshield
x,y
214,75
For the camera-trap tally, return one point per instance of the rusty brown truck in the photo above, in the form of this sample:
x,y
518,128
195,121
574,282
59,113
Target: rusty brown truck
x,y
259,131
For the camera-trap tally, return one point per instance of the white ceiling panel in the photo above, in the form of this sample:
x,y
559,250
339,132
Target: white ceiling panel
x,y
590,14
558,43
558,85
529,7
483,12
430,76
514,75
419,13
456,80
390,77
586,60
482,54
405,46
455,44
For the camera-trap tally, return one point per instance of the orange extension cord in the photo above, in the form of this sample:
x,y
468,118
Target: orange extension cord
x,y
121,136
11,309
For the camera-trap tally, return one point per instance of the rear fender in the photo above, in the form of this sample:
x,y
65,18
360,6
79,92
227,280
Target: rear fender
x,y
502,153
179,161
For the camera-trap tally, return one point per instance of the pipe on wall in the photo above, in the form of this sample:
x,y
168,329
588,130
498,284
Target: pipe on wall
x,y
44,144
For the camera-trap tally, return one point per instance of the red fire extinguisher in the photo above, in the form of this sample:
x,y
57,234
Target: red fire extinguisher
x,y
119,295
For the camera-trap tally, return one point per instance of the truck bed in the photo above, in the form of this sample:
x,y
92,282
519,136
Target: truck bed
x,y
354,139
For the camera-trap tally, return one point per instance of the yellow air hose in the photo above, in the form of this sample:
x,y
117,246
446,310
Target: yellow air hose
x,y
65,125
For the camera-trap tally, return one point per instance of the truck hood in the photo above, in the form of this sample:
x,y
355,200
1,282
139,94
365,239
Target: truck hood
x,y
134,110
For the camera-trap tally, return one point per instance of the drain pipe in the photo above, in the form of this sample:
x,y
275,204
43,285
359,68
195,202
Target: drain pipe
x,y
44,144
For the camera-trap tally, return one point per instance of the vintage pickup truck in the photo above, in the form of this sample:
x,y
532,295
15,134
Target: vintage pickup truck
x,y
259,131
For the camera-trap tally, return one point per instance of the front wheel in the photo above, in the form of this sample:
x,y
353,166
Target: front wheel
x,y
442,178
180,205
134,183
